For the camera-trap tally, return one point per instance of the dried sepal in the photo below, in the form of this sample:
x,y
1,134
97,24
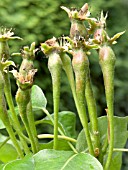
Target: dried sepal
x,y
100,35
58,45
24,81
93,25
16,54
81,43
81,14
6,64
49,45
84,12
7,34
115,37
45,48
66,10
91,46
102,20
29,52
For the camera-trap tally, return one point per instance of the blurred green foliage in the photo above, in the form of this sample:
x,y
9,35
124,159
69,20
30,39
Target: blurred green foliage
x,y
42,19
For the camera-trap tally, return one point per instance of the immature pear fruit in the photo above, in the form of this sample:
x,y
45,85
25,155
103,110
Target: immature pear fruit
x,y
107,61
51,49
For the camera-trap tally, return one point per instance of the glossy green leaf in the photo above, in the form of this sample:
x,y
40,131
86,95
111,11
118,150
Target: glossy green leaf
x,y
38,98
25,164
8,153
65,160
120,138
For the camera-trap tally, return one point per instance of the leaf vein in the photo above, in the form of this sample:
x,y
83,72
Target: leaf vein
x,y
68,161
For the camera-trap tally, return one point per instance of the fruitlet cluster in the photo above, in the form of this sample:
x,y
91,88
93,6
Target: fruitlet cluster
x,y
71,54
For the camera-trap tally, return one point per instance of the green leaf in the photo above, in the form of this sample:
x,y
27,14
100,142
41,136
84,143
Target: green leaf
x,y
65,160
120,138
48,145
39,102
38,98
67,121
1,166
2,138
47,121
8,153
62,145
1,125
25,164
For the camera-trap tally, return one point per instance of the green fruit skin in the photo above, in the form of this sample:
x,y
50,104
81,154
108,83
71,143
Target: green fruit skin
x,y
26,66
4,50
3,110
67,66
77,29
5,118
55,67
80,65
107,61
92,110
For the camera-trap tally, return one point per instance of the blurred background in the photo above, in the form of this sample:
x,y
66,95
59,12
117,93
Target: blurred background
x,y
40,20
